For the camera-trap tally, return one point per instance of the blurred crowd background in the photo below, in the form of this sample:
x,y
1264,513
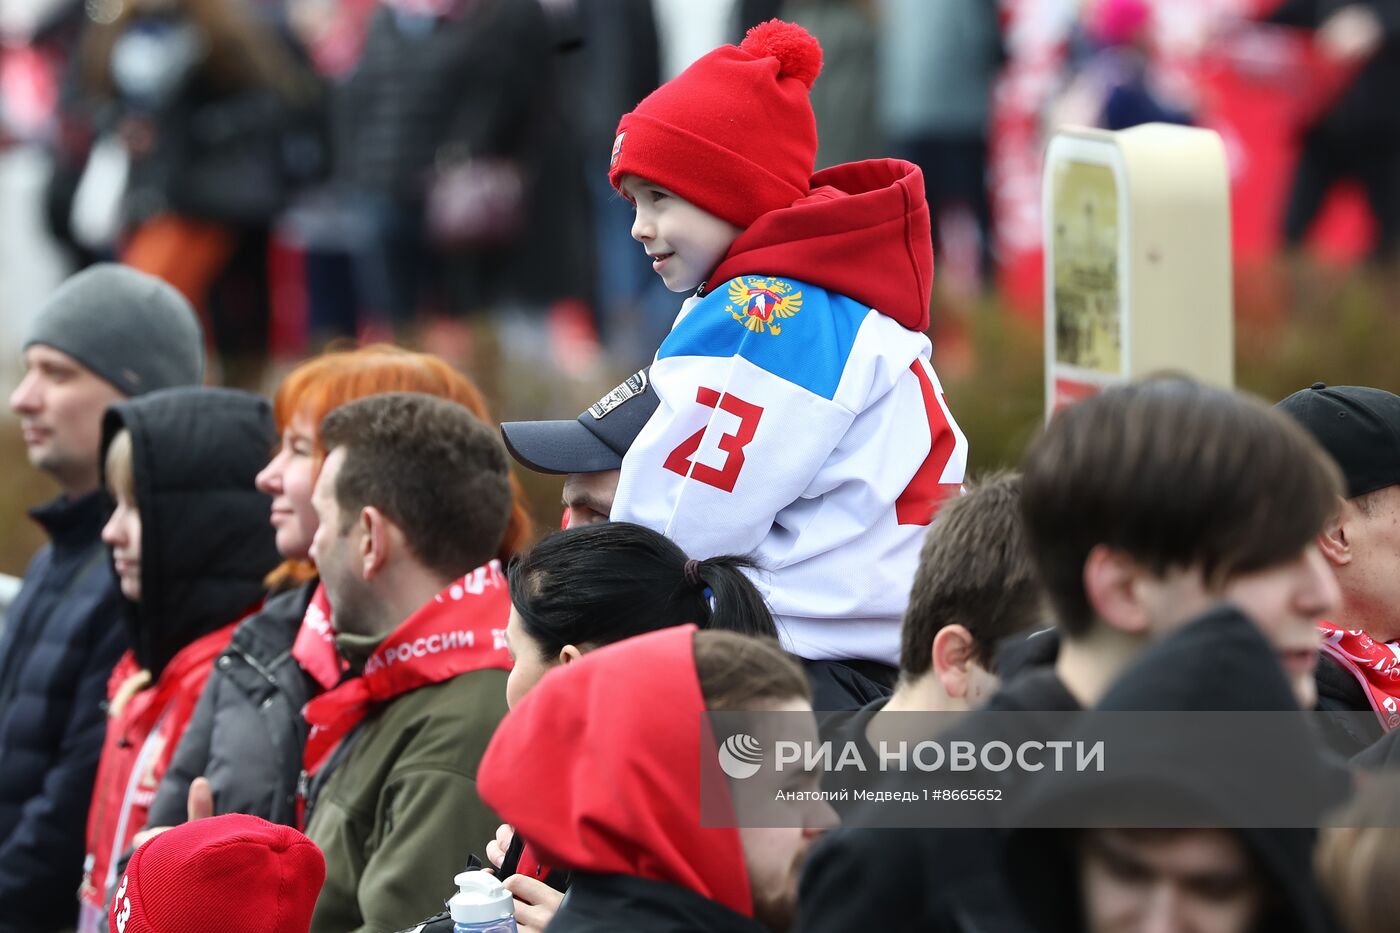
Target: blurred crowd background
x,y
433,172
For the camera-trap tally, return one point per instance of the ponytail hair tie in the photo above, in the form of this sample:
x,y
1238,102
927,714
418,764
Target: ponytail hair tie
x,y
692,572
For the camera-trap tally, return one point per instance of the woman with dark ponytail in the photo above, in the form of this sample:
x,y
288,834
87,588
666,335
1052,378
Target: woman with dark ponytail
x,y
586,587
590,586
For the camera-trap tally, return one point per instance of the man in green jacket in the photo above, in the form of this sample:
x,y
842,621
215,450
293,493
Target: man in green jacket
x,y
413,500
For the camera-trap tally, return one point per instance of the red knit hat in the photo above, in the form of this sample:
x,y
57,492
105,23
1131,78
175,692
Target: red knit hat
x,y
233,873
734,133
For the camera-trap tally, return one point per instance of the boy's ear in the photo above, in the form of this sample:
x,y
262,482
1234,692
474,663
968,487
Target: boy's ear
x,y
569,654
1112,585
953,651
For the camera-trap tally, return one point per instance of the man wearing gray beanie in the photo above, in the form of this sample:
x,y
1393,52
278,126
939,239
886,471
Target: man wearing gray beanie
x,y
106,334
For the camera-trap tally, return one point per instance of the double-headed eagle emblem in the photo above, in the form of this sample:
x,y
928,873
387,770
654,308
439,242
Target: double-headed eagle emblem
x,y
760,302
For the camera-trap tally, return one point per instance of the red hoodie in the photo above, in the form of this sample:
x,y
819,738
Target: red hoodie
x,y
599,782
862,232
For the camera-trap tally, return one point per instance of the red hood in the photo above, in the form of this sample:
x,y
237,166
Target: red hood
x,y
599,768
863,232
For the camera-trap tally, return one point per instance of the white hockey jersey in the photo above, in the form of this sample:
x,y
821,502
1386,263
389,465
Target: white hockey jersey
x,y
806,428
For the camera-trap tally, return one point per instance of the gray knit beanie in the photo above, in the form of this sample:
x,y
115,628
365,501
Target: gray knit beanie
x,y
132,329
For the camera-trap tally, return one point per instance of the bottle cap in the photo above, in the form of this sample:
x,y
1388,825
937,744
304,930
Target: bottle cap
x,y
480,898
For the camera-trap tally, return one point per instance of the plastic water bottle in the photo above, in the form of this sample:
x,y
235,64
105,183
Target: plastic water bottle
x,y
481,905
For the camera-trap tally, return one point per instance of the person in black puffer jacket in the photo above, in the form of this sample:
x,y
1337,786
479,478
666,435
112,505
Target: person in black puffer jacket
x,y
108,333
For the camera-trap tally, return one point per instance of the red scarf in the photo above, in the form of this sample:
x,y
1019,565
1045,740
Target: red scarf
x,y
144,731
1375,666
462,629
314,648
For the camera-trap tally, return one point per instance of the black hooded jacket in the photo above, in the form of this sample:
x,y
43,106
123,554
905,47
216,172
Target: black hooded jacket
x,y
206,542
1220,662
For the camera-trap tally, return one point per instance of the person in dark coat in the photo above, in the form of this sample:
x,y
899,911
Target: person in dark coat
x,y
248,734
107,334
1235,879
190,547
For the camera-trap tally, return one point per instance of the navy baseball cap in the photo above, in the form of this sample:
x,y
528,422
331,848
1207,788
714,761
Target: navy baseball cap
x,y
596,440
1359,426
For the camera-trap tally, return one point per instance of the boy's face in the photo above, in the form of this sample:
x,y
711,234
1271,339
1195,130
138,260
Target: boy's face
x,y
1186,881
1285,601
685,244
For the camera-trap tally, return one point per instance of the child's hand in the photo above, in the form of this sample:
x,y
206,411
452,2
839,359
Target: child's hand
x,y
496,848
535,902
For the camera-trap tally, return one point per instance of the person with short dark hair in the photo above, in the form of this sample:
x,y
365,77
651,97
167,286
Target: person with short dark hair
x,y
248,733
600,766
411,504
975,587
106,334
1360,428
1153,501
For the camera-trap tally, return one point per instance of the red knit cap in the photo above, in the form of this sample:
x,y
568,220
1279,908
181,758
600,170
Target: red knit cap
x,y
233,873
734,133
